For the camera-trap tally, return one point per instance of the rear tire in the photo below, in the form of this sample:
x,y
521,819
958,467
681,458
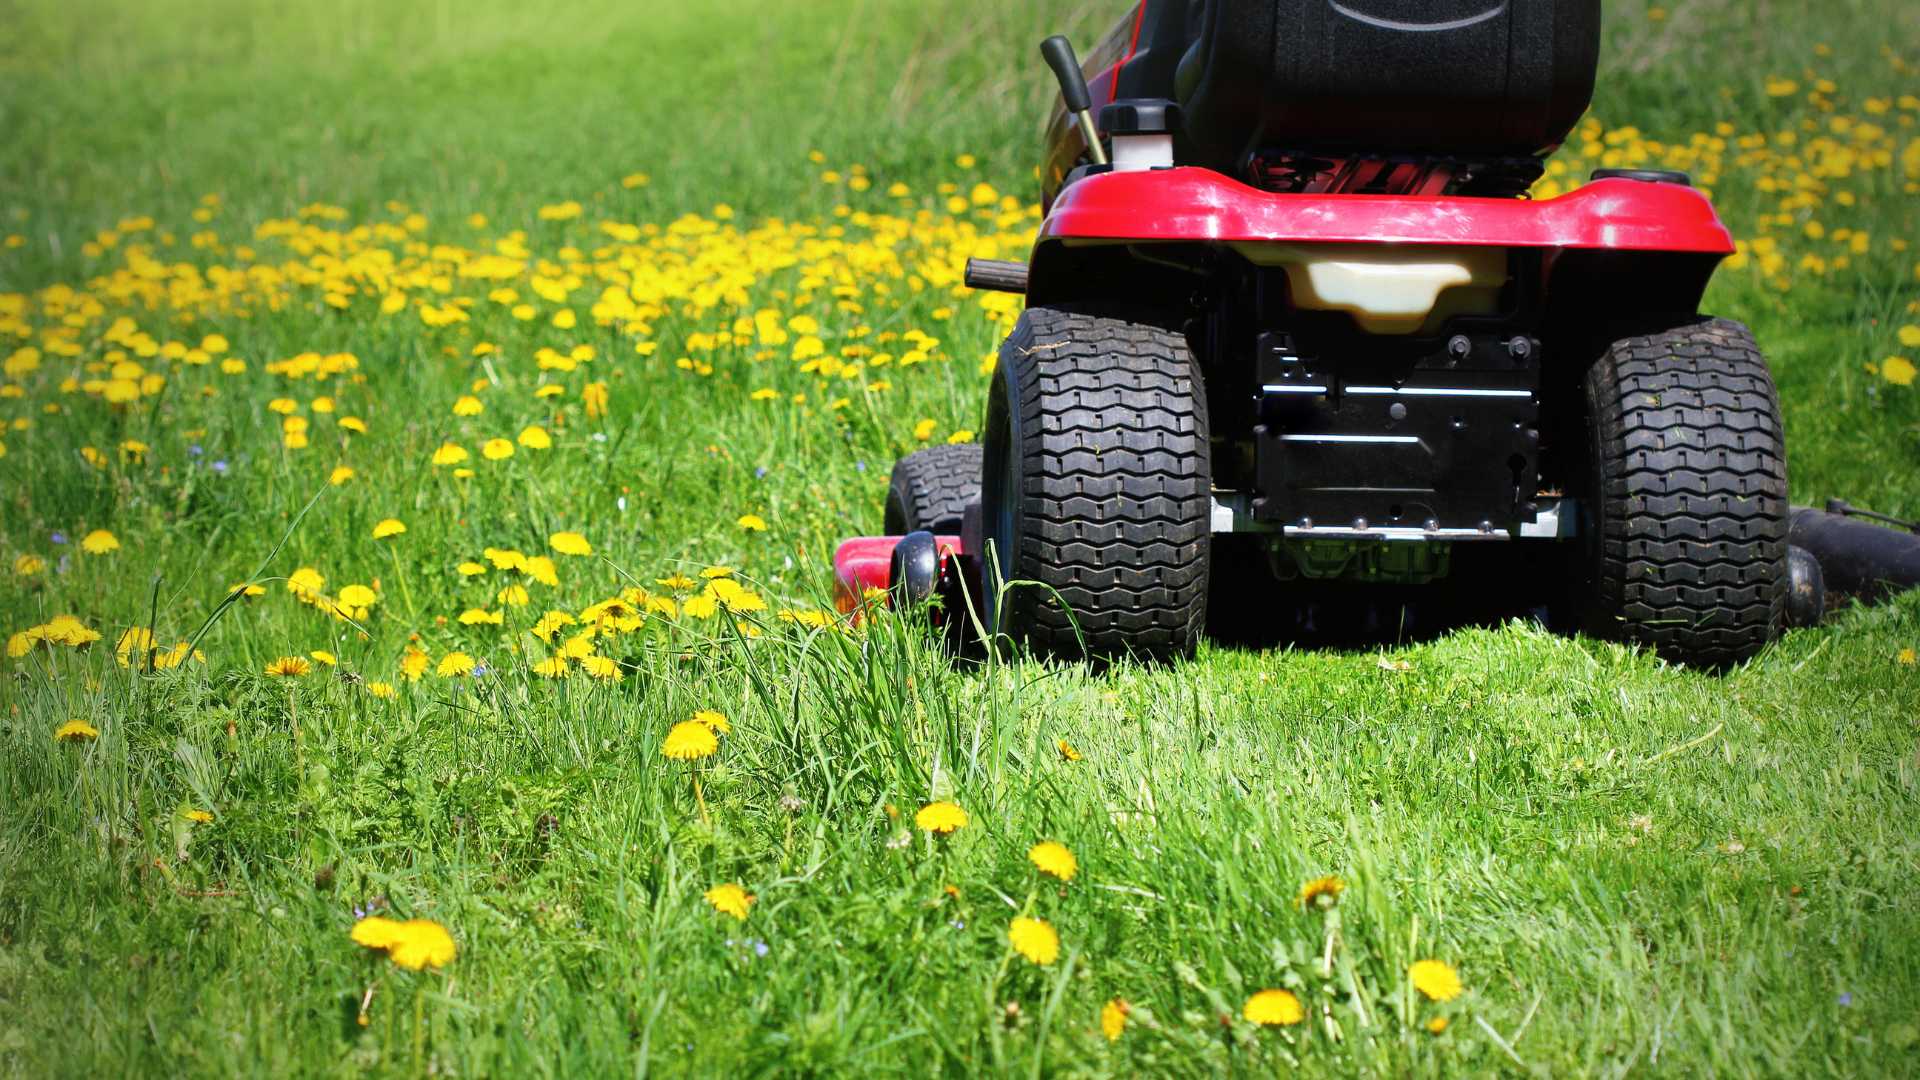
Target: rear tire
x,y
1096,485
1686,494
931,488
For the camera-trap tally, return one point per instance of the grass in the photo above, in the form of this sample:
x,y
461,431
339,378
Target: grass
x,y
1633,867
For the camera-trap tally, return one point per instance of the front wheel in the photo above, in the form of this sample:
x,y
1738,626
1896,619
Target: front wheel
x,y
1095,486
1687,490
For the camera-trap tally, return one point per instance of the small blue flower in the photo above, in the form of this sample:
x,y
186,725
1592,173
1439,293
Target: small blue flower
x,y
220,466
760,473
195,450
860,466
58,537
1846,998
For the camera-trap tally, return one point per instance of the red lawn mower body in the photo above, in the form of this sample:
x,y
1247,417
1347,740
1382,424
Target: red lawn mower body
x,y
1292,320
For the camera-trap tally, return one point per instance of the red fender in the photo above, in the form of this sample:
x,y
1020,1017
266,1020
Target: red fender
x,y
1189,204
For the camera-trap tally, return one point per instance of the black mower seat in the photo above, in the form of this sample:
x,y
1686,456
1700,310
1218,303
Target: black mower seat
x,y
1445,78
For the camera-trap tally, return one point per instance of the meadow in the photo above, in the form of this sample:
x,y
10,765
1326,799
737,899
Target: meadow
x,y
426,429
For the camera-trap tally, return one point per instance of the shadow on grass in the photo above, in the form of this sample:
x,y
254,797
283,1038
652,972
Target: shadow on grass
x,y
1489,584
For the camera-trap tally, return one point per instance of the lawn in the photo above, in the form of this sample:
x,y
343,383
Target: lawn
x,y
502,378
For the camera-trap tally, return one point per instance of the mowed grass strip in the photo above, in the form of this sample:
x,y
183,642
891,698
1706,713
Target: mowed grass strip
x,y
239,229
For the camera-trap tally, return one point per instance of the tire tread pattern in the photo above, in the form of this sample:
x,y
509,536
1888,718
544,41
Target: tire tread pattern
x,y
931,487
1116,477
1691,487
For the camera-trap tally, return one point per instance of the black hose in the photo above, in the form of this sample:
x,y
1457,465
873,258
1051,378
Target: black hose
x,y
1857,560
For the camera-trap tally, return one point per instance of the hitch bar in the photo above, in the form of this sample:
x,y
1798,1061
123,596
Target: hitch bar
x,y
997,275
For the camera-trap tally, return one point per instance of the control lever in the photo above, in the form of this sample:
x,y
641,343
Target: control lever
x,y
1058,53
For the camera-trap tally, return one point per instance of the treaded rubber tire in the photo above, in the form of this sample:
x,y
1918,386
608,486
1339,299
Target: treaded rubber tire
x,y
1096,485
931,488
1688,492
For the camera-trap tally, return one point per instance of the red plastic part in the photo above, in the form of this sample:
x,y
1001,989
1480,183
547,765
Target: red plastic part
x,y
865,563
1199,204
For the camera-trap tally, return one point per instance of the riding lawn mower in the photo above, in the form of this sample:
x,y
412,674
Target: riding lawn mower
x,y
1294,327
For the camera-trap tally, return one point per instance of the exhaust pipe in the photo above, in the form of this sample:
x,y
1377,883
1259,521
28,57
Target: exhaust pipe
x,y
1856,560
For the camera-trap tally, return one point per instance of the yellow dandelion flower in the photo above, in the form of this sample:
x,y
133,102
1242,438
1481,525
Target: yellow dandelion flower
x,y
1113,1018
1437,1025
715,720
29,565
454,664
388,527
325,657
553,667
305,582
471,569
601,667
358,596
958,437
289,667
505,558
1053,858
449,454
941,818
535,437
1274,1008
413,944
496,449
1898,370
75,731
689,740
198,817
1066,750
1314,891
570,543
730,899
541,569
752,523
340,475
1436,979
99,542
1905,656
382,690
414,664
1034,939
468,405
594,397
375,932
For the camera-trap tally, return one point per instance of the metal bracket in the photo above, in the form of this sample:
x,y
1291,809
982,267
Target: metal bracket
x,y
1557,519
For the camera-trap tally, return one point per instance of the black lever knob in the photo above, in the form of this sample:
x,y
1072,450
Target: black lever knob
x,y
1058,53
